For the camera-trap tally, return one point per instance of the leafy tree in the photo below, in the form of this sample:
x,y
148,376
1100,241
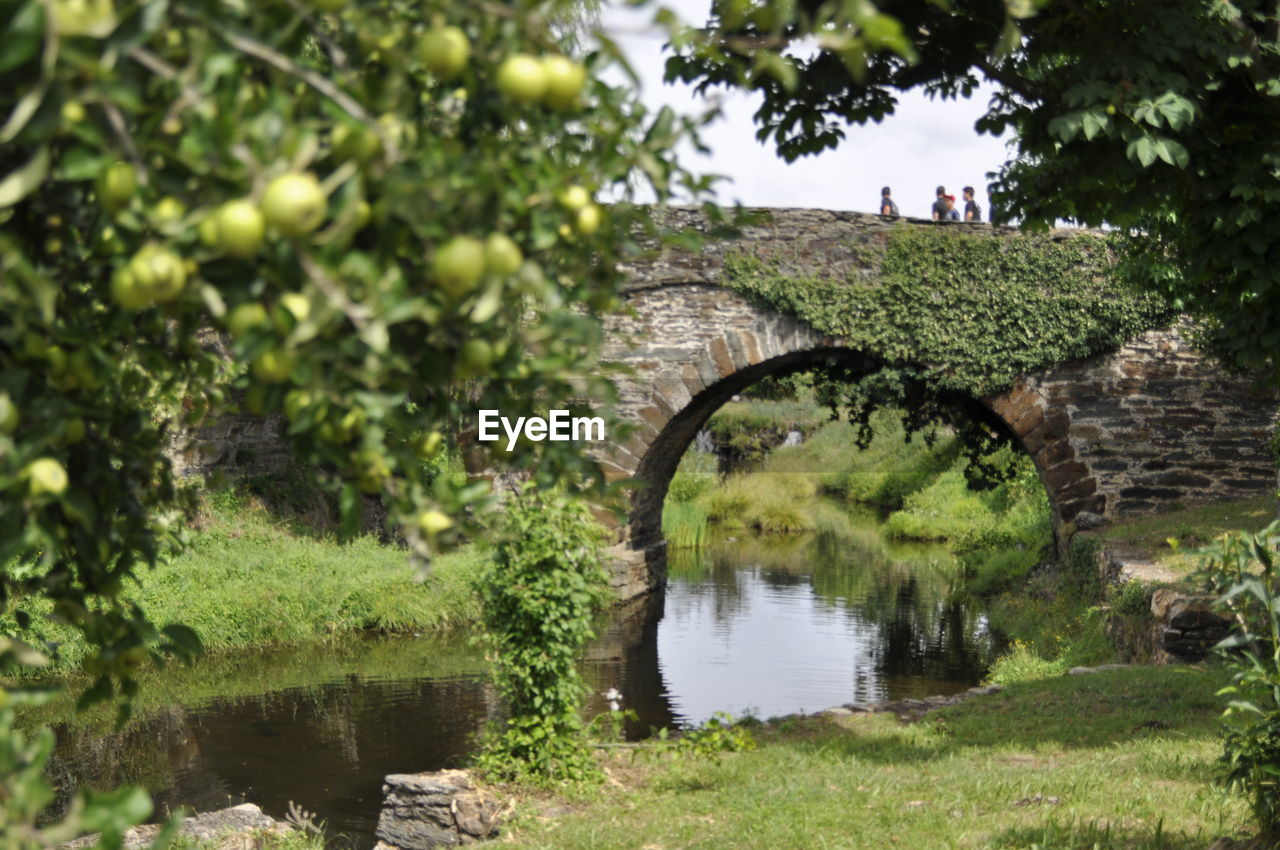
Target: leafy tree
x,y
374,217
1159,118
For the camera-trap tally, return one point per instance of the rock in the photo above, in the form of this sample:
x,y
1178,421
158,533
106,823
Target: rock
x,y
1087,521
1162,600
836,711
438,809
1194,612
232,828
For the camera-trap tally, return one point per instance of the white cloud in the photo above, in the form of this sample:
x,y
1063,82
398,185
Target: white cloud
x,y
925,143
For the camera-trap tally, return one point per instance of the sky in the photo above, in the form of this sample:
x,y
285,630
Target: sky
x,y
924,144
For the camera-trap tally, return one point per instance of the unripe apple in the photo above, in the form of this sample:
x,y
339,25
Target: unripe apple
x,y
372,471
73,112
444,51
73,430
575,198
359,144
168,210
565,79
127,292
298,305
588,220
474,357
45,477
245,318
521,79
273,366
433,522
116,186
241,227
8,414
294,204
458,265
502,256
159,272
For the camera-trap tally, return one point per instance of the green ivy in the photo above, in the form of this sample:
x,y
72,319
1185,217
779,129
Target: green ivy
x,y
540,595
941,314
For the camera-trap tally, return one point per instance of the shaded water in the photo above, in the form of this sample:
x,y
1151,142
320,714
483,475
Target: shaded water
x,y
770,627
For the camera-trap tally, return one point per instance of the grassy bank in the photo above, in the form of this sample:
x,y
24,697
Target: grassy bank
x,y
1172,538
1001,531
250,579
1017,769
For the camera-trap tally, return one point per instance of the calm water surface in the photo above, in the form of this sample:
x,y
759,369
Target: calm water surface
x,y
754,626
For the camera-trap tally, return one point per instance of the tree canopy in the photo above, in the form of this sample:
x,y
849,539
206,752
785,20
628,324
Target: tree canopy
x,y
1157,118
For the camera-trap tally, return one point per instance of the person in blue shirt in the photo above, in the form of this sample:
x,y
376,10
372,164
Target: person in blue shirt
x,y
887,205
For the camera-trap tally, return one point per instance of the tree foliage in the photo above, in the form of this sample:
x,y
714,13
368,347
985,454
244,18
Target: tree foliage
x,y
1159,118
372,217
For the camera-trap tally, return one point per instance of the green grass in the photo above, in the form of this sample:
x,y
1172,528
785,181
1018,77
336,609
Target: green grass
x,y
249,579
1119,759
258,840
1191,528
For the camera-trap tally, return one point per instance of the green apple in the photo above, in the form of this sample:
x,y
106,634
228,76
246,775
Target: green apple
x,y
73,430
73,112
45,477
159,272
444,51
474,357
273,366
298,305
359,144
575,198
294,204
372,471
565,79
245,318
116,186
522,79
241,228
8,414
126,291
458,265
502,255
588,220
432,523
168,210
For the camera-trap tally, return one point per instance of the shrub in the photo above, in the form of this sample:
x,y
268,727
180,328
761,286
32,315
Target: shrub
x,y
1242,568
539,597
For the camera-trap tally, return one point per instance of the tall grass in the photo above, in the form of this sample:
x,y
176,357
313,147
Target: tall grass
x,y
247,579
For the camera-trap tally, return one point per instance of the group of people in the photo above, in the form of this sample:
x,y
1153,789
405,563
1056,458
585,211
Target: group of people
x,y
944,206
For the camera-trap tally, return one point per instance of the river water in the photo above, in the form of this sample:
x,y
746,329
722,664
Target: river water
x,y
749,625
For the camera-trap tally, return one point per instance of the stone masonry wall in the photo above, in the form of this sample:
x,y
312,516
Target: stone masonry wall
x,y
1125,432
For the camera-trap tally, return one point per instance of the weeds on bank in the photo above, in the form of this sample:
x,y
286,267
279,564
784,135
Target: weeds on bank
x,y
248,579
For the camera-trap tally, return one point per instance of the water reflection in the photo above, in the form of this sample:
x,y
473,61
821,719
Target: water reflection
x,y
774,626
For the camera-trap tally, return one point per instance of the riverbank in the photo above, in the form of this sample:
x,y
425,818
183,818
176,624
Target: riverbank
x,y
1014,769
251,578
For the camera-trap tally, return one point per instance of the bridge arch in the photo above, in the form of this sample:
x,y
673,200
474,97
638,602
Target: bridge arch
x,y
1124,432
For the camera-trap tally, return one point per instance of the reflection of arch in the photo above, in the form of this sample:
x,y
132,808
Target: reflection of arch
x,y
1118,433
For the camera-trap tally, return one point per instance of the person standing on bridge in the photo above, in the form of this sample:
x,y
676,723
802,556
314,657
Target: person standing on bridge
x,y
940,204
887,205
951,214
972,212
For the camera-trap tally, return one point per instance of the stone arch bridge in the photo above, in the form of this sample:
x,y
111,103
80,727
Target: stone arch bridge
x,y
1125,431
